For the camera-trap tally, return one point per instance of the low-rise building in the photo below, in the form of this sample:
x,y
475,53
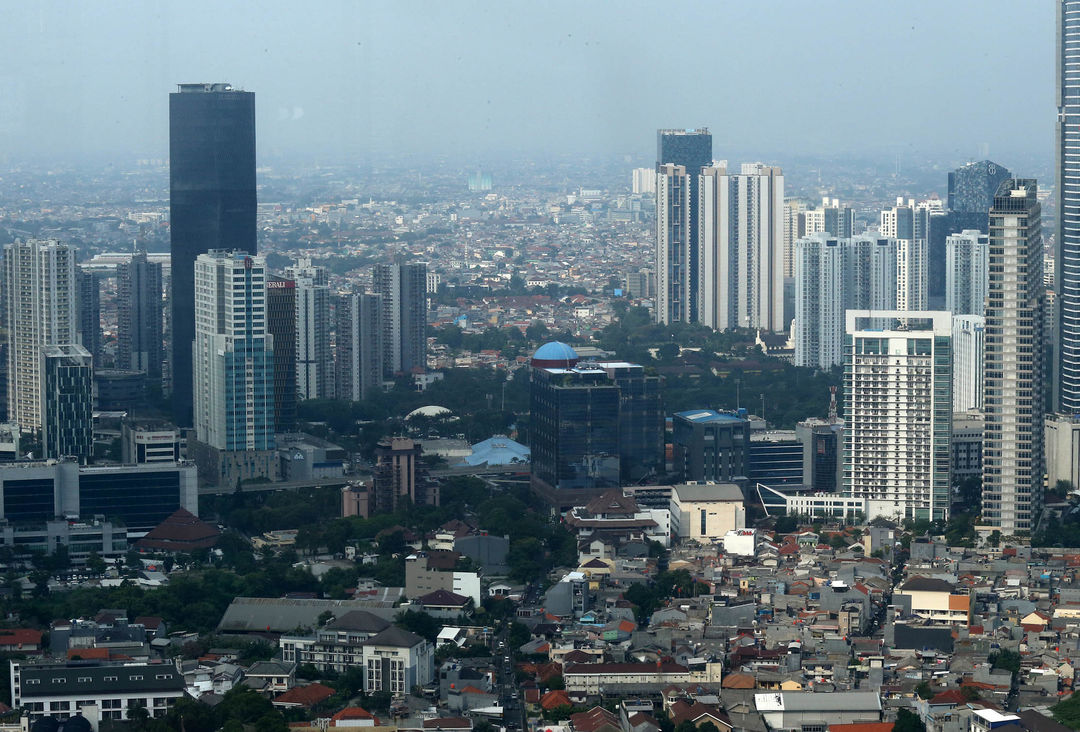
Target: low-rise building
x,y
705,512
60,690
631,678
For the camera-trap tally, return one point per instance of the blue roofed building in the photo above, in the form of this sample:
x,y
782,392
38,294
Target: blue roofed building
x,y
498,450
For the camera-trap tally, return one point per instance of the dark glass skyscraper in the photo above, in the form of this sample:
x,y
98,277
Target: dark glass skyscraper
x,y
139,326
212,202
281,323
1067,281
691,149
971,194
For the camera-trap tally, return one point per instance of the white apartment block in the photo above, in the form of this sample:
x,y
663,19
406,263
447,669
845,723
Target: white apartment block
x,y
1013,448
898,413
967,274
40,304
741,234
232,361
313,357
672,245
834,275
968,344
644,180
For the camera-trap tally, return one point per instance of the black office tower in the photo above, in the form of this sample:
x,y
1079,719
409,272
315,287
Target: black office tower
x,y
212,202
691,149
281,322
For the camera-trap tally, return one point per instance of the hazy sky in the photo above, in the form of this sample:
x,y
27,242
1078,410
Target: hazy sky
x,y
537,77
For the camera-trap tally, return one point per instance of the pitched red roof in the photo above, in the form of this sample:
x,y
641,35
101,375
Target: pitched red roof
x,y
20,637
304,696
353,713
180,532
951,696
89,654
594,719
554,699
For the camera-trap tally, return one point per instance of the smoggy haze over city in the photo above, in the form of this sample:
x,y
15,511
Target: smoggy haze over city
x,y
350,79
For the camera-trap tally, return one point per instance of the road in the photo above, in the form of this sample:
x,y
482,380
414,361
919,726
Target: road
x,y
506,680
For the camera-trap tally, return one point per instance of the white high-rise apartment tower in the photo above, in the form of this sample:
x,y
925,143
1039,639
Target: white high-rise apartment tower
x,y
967,258
40,306
672,245
741,230
969,361
898,413
1013,442
835,275
233,357
313,356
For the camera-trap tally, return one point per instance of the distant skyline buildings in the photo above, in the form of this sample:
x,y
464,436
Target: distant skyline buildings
x,y
967,260
212,203
359,353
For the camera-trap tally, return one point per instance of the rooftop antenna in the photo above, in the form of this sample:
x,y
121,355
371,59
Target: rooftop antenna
x,y
832,404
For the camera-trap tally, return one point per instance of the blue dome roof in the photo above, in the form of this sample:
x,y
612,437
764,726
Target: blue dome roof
x,y
554,355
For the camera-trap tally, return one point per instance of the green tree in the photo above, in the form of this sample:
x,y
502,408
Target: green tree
x,y
923,690
908,721
1067,711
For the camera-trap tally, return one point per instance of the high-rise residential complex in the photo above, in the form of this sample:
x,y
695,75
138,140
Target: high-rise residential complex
x,y
88,304
794,229
691,150
644,181
67,425
234,371
403,288
968,344
399,480
801,221
1013,456
967,257
313,356
139,339
40,306
1067,258
359,350
834,276
281,324
741,273
673,245
212,203
898,413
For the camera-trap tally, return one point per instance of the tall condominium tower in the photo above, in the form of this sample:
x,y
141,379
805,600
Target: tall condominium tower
x,y
313,356
67,427
88,304
281,324
969,361
234,370
139,344
967,257
1013,456
40,306
741,275
403,288
898,413
691,150
212,203
673,245
834,276
359,345
1067,258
